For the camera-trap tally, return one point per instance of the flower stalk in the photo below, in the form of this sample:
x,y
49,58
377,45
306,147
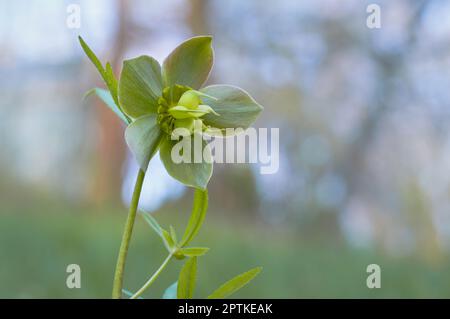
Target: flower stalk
x,y
126,237
152,278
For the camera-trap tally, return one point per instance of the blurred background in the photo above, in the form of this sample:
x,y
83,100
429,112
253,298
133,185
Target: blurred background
x,y
364,171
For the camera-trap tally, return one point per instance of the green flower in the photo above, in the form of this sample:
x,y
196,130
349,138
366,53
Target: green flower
x,y
154,101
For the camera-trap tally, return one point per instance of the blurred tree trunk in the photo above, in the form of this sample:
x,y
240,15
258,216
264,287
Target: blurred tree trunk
x,y
197,17
111,147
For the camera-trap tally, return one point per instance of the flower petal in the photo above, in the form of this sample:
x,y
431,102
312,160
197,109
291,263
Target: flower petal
x,y
236,108
143,137
190,99
190,63
140,85
179,112
205,109
188,124
191,174
182,112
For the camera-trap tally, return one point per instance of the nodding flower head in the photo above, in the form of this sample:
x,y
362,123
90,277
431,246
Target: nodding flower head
x,y
154,100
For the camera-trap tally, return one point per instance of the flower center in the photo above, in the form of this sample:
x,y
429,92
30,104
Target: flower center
x,y
181,107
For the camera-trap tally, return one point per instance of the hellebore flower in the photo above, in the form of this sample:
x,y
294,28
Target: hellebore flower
x,y
155,100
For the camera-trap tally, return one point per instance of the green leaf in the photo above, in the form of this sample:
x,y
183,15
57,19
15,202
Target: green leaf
x,y
143,137
106,97
173,234
165,236
190,63
140,86
188,172
235,284
106,74
193,251
236,108
152,222
168,240
199,208
186,280
171,291
111,82
91,55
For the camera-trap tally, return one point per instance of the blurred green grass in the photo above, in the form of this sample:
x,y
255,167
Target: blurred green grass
x,y
37,246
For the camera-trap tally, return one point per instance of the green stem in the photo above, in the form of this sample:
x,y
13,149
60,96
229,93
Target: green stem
x,y
120,267
152,278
